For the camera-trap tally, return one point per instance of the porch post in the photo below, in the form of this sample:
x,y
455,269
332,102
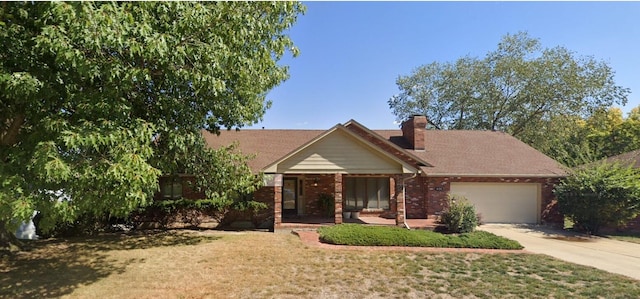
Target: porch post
x,y
277,206
400,191
337,194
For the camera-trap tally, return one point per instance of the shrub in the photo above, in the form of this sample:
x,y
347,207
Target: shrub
x,y
192,211
326,203
461,215
362,235
599,195
84,225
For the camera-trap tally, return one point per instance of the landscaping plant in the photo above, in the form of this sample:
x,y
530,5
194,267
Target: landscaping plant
x,y
326,203
363,235
461,215
599,195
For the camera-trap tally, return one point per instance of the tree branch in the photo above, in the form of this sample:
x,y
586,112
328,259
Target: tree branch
x,y
10,136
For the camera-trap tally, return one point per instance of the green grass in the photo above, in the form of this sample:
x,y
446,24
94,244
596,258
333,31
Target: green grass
x,y
362,235
633,237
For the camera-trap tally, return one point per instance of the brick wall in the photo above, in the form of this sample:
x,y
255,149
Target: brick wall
x,y
416,198
426,197
413,130
325,184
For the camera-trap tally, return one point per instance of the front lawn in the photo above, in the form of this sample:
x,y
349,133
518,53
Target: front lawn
x,y
363,235
212,264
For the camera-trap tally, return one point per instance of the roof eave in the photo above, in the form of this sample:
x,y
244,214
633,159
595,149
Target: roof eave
x,y
496,175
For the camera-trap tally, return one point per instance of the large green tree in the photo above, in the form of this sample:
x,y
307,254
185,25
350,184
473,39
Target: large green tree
x,y
605,133
610,133
99,99
519,88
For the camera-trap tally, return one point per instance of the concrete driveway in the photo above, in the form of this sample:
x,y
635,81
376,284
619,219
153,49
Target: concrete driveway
x,y
602,253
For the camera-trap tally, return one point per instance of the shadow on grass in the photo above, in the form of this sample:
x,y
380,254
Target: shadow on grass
x,y
55,267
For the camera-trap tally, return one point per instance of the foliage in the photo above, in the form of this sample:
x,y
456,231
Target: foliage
x,y
520,88
362,235
460,216
192,212
326,203
610,134
604,133
100,98
82,225
600,194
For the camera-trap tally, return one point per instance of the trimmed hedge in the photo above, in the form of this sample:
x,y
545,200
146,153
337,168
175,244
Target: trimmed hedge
x,y
362,235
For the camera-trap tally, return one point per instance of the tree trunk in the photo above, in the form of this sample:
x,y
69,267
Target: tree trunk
x,y
8,241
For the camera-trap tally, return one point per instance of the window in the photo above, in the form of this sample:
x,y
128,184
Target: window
x,y
172,189
367,193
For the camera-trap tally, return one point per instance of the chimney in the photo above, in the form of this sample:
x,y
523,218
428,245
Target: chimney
x,y
413,130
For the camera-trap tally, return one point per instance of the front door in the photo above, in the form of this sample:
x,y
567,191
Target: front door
x,y
290,196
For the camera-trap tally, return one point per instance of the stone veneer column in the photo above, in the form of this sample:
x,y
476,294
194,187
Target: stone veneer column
x,y
277,206
400,191
337,194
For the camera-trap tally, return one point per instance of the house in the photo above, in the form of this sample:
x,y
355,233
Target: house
x,y
631,158
398,174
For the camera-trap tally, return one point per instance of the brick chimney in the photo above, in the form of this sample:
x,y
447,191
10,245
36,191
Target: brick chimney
x,y
413,130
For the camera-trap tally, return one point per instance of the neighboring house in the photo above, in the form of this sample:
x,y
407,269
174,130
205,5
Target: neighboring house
x,y
631,158
398,174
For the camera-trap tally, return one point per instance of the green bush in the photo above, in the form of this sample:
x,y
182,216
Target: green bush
x,y
599,195
326,204
363,235
461,215
84,225
193,211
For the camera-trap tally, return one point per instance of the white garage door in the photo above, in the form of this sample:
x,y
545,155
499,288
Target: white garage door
x,y
502,202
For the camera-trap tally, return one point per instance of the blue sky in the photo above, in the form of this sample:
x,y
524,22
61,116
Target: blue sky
x,y
352,52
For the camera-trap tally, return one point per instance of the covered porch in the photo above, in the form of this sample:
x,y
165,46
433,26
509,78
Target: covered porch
x,y
378,199
355,173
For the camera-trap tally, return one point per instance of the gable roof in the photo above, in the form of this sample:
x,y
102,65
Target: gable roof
x,y
340,128
389,143
628,158
463,153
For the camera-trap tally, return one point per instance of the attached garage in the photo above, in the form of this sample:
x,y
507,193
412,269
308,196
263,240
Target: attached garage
x,y
502,202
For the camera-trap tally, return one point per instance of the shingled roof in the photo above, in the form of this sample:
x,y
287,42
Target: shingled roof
x,y
448,153
479,153
629,158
